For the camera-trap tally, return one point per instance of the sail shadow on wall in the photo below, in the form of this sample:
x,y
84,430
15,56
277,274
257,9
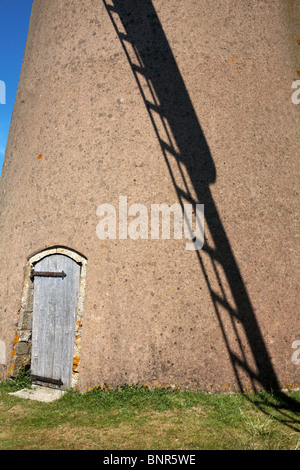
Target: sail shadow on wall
x,y
186,152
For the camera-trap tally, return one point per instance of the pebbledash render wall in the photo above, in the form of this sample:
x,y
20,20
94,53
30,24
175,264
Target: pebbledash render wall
x,y
162,102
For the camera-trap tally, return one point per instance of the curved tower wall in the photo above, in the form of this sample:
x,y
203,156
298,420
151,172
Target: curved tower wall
x,y
163,103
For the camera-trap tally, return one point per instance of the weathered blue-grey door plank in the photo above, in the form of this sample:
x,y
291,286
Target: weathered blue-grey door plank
x,y
54,316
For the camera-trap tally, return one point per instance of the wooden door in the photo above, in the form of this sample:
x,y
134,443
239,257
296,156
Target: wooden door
x,y
54,316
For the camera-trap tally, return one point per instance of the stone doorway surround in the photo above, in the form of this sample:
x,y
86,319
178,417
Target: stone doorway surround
x,y
21,356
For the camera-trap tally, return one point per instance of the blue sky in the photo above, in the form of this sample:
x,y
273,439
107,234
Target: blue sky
x,y
14,22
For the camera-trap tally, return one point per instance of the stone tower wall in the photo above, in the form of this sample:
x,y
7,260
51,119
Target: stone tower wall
x,y
198,111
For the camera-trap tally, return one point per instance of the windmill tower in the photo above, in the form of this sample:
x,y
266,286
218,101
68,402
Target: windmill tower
x,y
177,104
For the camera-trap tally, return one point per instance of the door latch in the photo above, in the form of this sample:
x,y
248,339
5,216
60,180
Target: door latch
x,y
61,274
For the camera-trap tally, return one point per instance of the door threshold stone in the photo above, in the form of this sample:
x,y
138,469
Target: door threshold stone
x,y
39,393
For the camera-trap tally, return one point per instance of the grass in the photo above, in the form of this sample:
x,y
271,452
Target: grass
x,y
133,417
